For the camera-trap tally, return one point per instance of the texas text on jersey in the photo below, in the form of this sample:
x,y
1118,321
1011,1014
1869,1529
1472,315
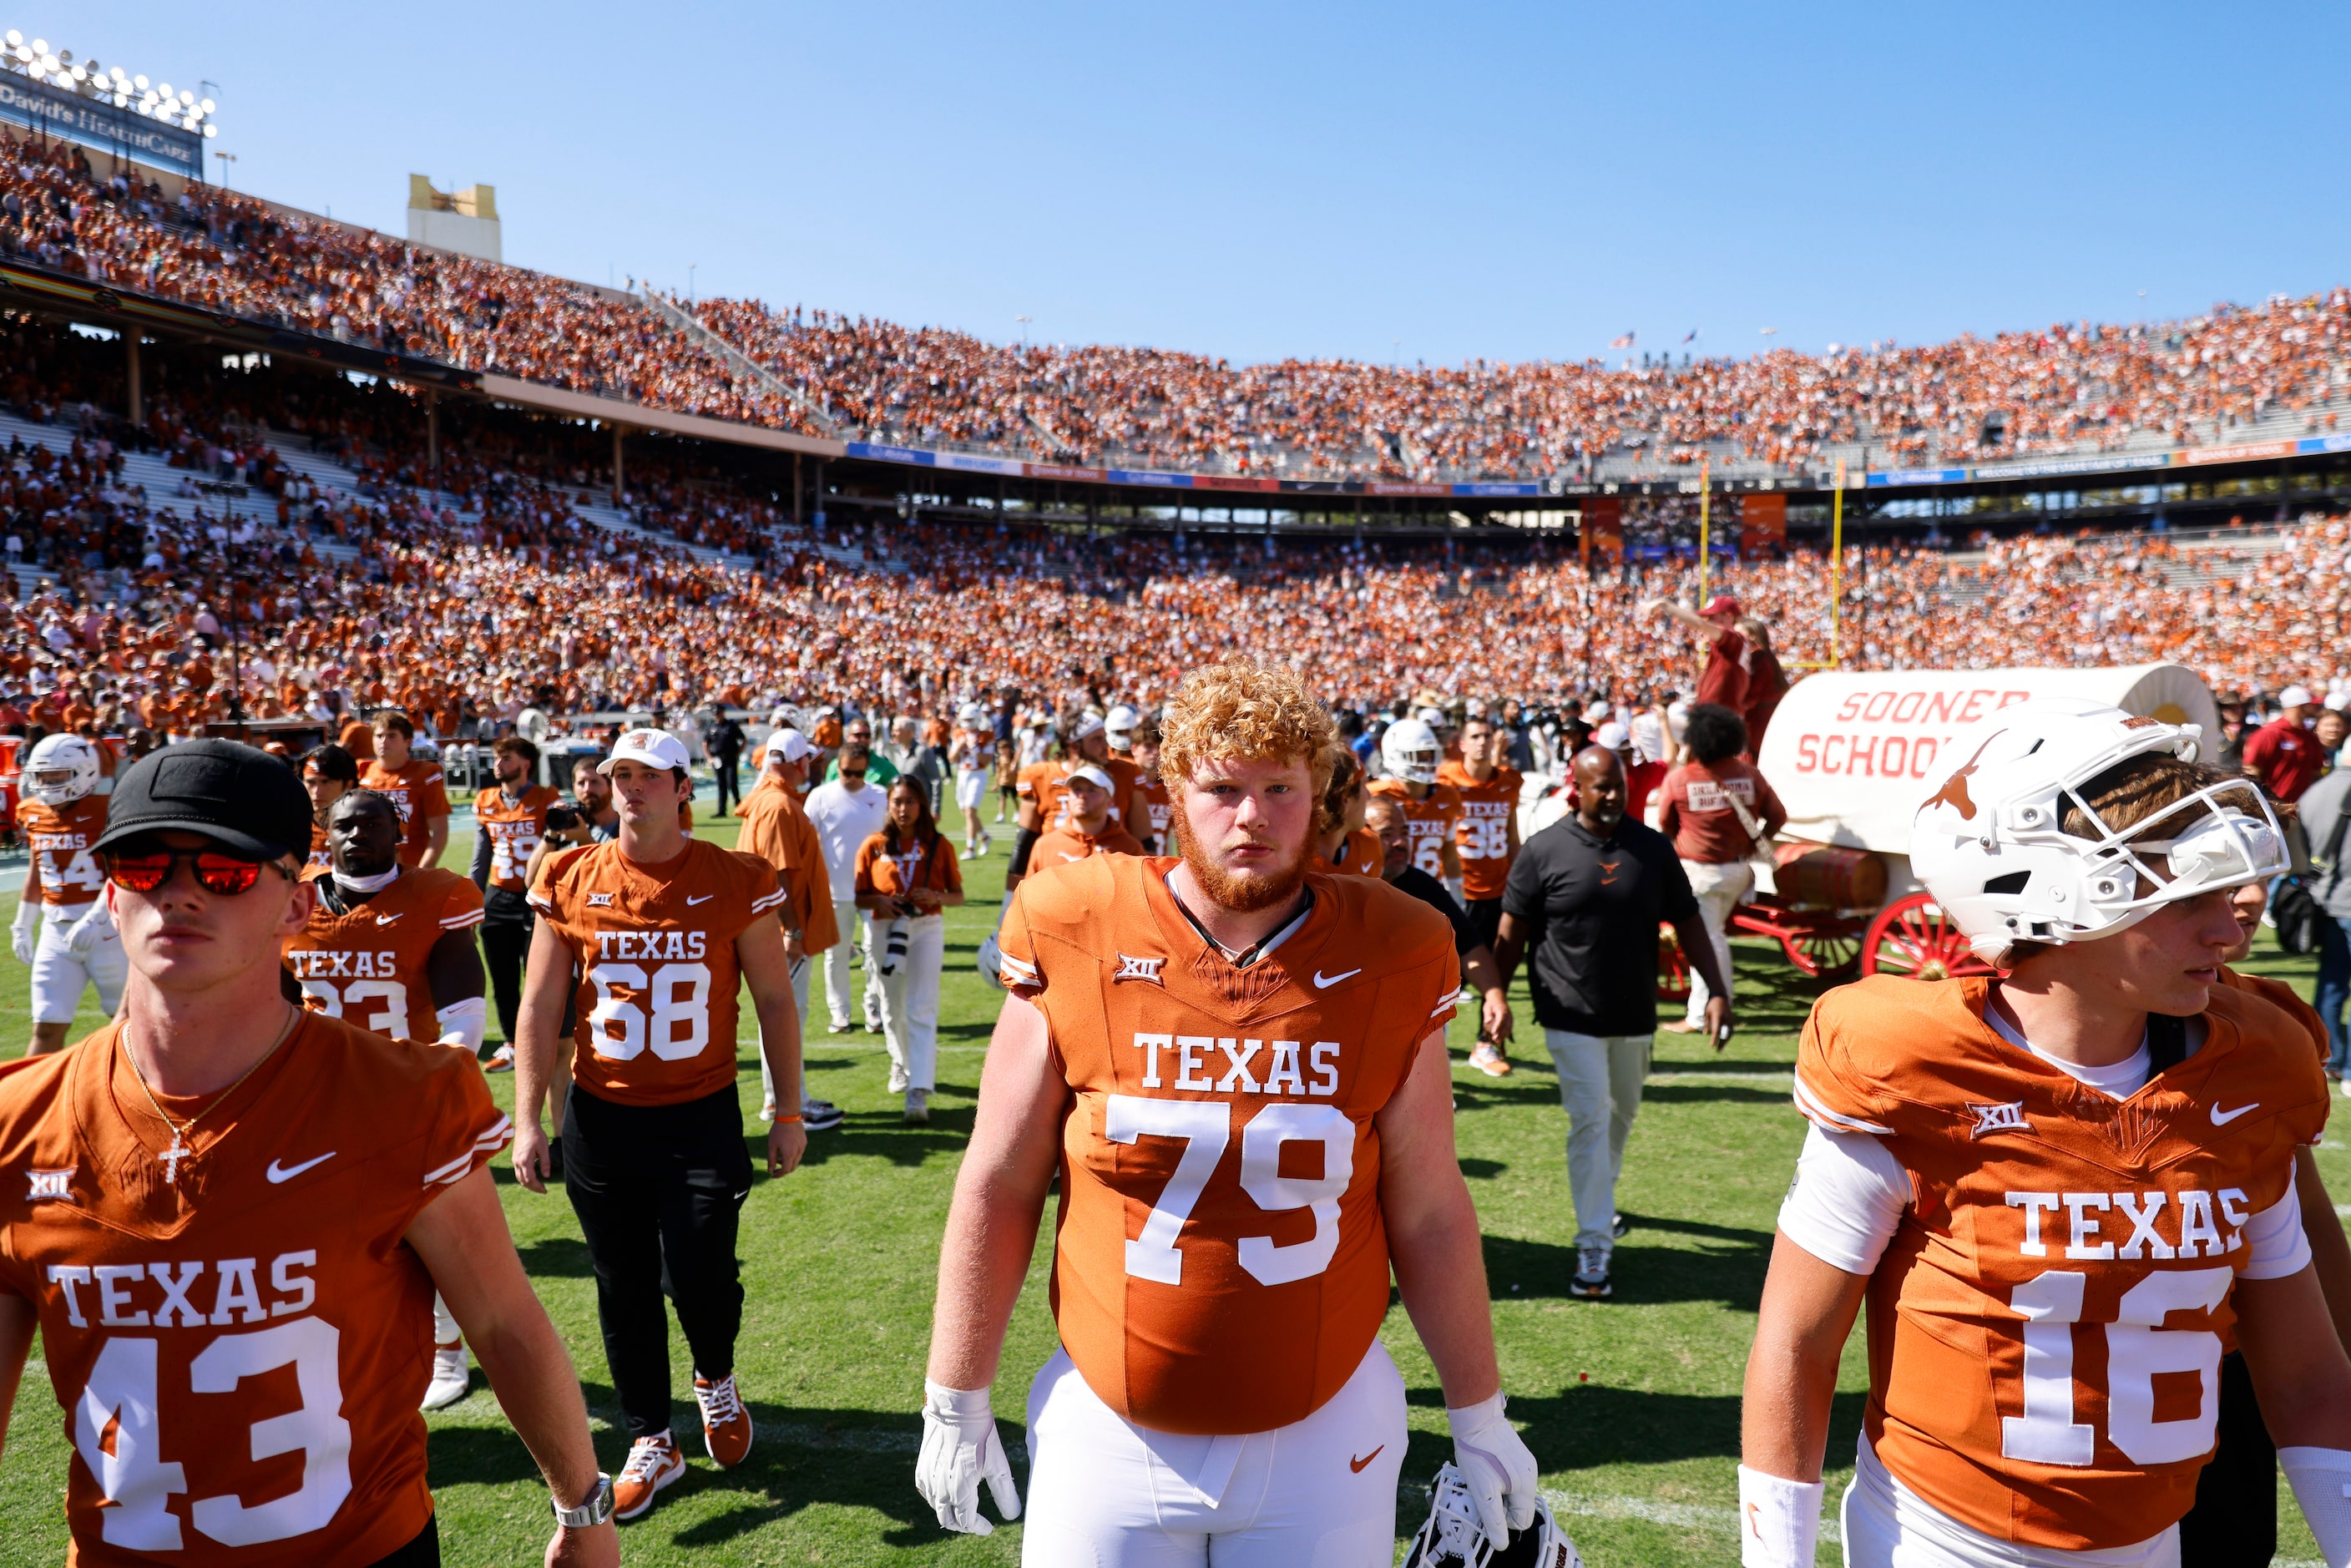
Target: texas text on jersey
x,y
655,950
60,838
515,830
239,1343
1481,834
1221,1264
1428,821
2065,1256
367,966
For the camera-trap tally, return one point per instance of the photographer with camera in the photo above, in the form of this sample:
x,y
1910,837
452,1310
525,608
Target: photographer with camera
x,y
906,875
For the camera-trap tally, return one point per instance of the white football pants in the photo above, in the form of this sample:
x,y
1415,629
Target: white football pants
x,y
60,975
1719,887
1600,1082
1318,1494
803,979
1887,1525
910,1002
856,926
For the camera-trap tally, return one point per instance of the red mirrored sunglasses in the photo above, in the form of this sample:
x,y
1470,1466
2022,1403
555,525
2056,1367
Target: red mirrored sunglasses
x,y
143,870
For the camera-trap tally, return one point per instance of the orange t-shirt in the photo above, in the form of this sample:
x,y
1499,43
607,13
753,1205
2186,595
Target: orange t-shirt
x,y
654,947
914,866
60,838
1481,835
238,1351
777,829
1428,821
515,830
358,738
367,966
1066,843
417,792
1220,1260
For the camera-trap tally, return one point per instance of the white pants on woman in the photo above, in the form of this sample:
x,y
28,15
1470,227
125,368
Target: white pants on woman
x,y
1318,1494
909,1000
1718,889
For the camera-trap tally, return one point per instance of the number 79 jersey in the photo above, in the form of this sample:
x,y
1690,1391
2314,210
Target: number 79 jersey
x,y
238,1351
2046,1324
1220,1261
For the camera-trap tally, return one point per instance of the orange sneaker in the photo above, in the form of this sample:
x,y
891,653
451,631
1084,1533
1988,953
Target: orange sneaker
x,y
725,1425
653,1463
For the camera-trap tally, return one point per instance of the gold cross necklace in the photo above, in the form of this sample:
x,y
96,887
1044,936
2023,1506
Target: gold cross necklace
x,y
180,1149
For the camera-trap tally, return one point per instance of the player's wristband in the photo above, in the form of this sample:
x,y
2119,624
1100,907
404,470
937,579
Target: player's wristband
x,y
791,1120
1778,1520
2320,1478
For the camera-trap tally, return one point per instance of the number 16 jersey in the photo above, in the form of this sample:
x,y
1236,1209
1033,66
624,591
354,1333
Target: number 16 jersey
x,y
1220,1261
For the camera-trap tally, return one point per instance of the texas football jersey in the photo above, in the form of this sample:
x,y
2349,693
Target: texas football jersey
x,y
1361,854
655,949
1481,835
2048,1319
1428,821
60,838
418,794
515,830
1221,1262
237,1339
1162,810
366,966
322,853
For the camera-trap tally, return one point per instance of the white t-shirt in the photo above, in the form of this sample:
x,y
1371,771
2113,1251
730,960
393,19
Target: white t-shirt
x,y
844,819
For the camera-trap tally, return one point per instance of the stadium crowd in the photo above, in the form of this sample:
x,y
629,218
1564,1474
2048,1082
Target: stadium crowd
x,y
2080,387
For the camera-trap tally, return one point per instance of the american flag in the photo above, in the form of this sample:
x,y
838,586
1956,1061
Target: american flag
x,y
1624,342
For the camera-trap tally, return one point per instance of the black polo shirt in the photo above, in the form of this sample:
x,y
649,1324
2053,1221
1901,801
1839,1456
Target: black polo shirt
x,y
1590,908
1431,892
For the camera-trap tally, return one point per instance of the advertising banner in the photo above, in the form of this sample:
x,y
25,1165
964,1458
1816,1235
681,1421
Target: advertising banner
x,y
97,124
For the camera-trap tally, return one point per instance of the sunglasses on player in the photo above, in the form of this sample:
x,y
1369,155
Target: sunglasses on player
x,y
143,868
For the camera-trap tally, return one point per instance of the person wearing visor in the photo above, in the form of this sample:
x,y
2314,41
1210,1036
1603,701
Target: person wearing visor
x,y
391,950
63,928
267,1199
2064,1189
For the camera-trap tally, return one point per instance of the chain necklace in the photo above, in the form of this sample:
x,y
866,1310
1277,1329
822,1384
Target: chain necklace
x,y
180,1149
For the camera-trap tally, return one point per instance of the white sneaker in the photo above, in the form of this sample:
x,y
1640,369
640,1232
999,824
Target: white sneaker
x,y
452,1377
501,1060
898,1079
918,1107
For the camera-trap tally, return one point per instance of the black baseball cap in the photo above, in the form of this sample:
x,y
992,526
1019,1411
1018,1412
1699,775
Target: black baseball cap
x,y
239,795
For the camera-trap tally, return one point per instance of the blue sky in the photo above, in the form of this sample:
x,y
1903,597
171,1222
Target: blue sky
x,y
1376,180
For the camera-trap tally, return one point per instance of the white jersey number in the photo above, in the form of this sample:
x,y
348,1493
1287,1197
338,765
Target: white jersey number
x,y
76,871
2137,1348
511,844
354,1000
1205,1127
1483,839
118,1411
679,1024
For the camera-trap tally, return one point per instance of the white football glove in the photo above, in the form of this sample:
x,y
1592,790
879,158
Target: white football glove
x,y
88,931
959,1448
1496,1465
991,961
26,930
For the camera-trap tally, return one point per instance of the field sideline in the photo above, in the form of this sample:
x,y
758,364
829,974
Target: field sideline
x,y
1632,1406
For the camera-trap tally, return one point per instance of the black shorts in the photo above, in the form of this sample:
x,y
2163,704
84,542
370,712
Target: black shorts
x,y
2234,1521
421,1552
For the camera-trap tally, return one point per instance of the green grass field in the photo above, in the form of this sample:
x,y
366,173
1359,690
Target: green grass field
x,y
1632,1406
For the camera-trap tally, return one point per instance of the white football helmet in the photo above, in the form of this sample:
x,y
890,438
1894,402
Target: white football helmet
x,y
1453,1538
1409,751
1988,845
1120,726
972,717
62,770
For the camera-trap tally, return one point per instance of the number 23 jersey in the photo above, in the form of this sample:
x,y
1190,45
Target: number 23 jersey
x,y
1220,1261
239,1352
2046,1324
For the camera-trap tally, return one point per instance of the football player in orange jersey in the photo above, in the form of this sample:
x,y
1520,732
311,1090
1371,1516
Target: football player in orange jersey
x,y
1156,811
383,943
328,774
1249,1059
413,785
1348,844
233,1217
1088,828
1486,838
2060,1189
60,820
509,821
664,932
1043,804
1410,753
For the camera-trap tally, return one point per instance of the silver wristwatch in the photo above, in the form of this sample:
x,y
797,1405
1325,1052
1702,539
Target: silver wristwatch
x,y
593,1511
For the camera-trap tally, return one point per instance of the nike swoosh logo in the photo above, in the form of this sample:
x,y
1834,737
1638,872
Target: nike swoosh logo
x,y
691,901
2222,1118
1357,1465
277,1173
1322,982
388,919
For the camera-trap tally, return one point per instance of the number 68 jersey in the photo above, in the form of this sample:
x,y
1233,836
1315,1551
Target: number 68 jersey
x,y
238,1350
1220,1261
2047,1323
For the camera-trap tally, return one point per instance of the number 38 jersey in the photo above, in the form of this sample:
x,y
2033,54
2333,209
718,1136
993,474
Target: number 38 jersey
x,y
239,1350
367,966
1220,1261
654,947
2046,1324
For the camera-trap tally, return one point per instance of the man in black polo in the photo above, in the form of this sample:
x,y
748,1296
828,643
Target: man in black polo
x,y
1586,895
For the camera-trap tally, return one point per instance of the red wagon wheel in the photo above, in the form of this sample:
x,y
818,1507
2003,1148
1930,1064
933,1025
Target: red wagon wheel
x,y
1912,936
1673,969
1827,952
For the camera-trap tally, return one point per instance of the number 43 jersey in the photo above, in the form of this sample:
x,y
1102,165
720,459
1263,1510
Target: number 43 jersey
x,y
2046,1325
238,1351
654,947
1220,1261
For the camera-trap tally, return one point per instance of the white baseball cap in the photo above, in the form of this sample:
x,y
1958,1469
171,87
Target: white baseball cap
x,y
2295,697
1089,724
653,747
1092,775
1613,735
788,744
